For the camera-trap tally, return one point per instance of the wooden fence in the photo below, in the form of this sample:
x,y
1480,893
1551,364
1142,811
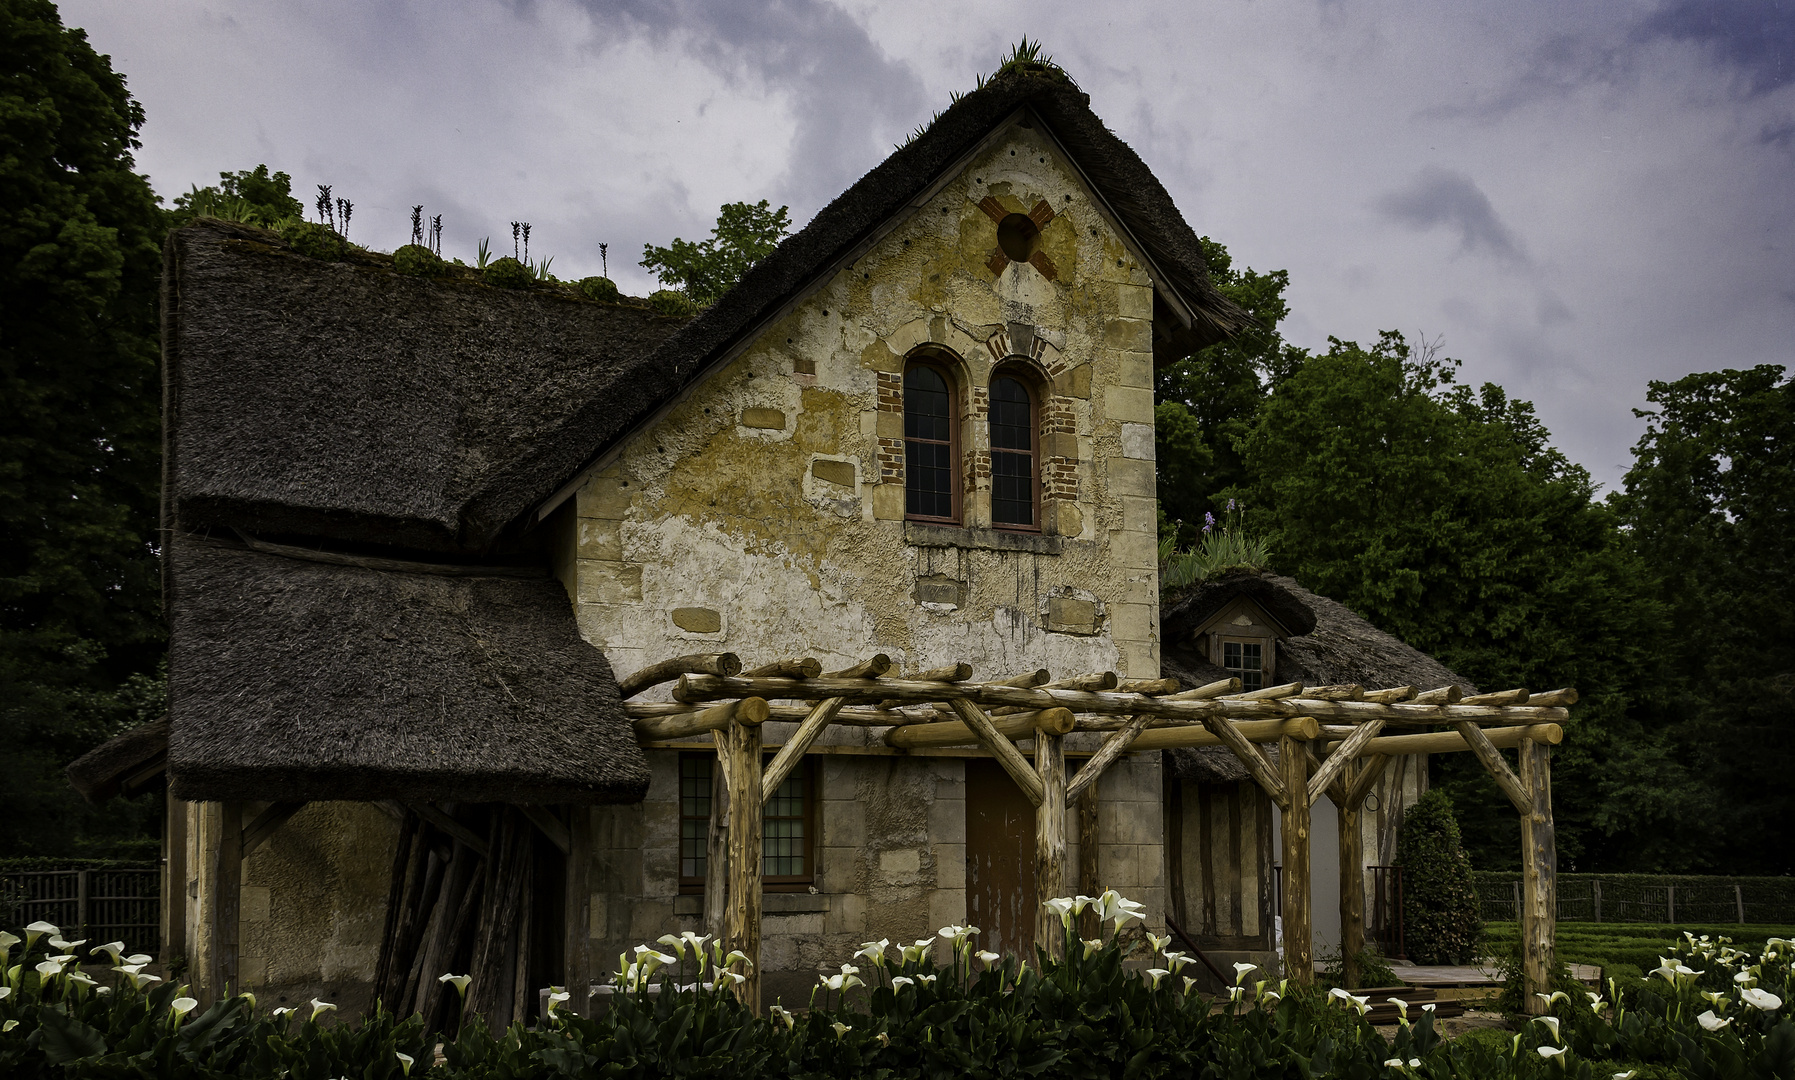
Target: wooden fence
x,y
100,905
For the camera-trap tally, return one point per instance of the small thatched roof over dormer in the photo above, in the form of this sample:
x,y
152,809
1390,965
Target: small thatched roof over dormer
x,y
295,679
1335,647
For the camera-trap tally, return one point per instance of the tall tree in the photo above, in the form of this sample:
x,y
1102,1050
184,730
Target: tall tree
x,y
1710,508
745,233
1205,404
80,240
1445,517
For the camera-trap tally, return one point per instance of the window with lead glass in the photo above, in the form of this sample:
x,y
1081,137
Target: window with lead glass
x,y
787,825
1013,473
931,472
1245,660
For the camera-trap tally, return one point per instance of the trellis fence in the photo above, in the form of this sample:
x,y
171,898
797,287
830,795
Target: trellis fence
x,y
1642,899
113,904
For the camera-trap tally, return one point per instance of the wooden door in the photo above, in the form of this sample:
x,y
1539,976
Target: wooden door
x,y
1000,860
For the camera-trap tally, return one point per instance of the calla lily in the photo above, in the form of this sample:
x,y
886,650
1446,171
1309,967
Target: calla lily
x,y
8,1026
1551,1024
678,945
1061,906
927,980
1235,993
1594,999
1761,1000
1628,1075
66,946
139,958
782,1015
1189,984
1710,1022
1719,1001
282,1012
557,995
1158,943
1156,974
49,969
7,941
841,1029
405,1062
114,949
989,958
82,978
1414,1063
874,951
321,1007
1549,1052
1270,997
37,930
1429,1007
1363,1004
1241,971
1392,1063
5,992
1742,977
901,981
735,955
1091,945
884,1039
181,1006
1402,1007
458,981
1556,995
1177,960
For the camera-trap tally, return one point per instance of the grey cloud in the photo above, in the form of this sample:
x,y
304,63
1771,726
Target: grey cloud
x,y
851,101
1441,198
1756,36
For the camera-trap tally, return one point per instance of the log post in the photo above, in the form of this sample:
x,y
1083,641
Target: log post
x,y
1090,877
1050,840
577,933
1539,868
1299,937
174,883
227,904
1352,879
739,748
716,851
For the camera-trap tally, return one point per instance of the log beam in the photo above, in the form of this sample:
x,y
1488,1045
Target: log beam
x,y
549,825
1000,748
952,673
1050,840
1491,759
1448,742
1299,936
1352,876
870,668
716,857
1255,731
1019,725
266,822
725,664
1539,876
1249,756
801,667
797,743
1113,747
1341,757
679,722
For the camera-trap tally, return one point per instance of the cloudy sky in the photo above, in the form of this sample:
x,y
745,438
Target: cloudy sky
x,y
1576,196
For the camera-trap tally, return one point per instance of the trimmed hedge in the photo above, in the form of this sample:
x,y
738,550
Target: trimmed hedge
x,y
1643,898
1439,906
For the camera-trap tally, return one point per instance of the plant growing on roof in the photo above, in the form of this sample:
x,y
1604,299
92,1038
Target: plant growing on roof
x,y
672,303
745,233
602,289
417,260
508,273
1221,549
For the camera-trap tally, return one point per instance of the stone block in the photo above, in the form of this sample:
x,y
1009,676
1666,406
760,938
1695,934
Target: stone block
x,y
603,582
1140,660
1062,444
1132,622
1140,514
1130,476
599,926
1070,615
900,861
600,538
848,916
649,919
698,620
770,419
1129,404
254,903
888,502
1129,335
603,497
1137,442
1134,369
950,866
878,356
1062,518
841,780
844,824
1075,383
835,472
1136,551
890,425
1134,301
253,970
947,819
940,589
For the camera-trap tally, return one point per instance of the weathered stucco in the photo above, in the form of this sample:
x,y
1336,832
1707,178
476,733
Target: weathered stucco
x,y
764,515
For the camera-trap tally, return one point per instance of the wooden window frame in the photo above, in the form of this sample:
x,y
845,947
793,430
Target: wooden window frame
x,y
957,494
1268,651
1024,378
806,773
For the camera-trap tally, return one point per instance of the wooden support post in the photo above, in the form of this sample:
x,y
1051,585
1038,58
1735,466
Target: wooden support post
x,y
174,883
1539,868
1299,939
576,935
716,853
1113,747
1050,840
266,822
1511,785
1090,877
799,741
1352,878
227,903
738,747
1000,748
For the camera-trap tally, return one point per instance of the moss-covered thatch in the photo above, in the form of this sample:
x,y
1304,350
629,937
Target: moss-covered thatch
x,y
297,680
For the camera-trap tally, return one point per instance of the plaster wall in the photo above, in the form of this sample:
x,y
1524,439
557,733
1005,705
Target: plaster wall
x,y
765,515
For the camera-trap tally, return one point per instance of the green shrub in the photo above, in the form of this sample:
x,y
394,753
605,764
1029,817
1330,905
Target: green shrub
x,y
417,260
602,289
672,303
508,273
1439,906
315,240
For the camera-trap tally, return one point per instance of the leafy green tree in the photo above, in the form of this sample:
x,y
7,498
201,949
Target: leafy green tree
x,y
1440,922
745,233
1205,404
252,195
1709,506
80,254
1445,517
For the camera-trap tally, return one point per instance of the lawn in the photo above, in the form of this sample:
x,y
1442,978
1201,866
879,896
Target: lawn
x,y
1627,949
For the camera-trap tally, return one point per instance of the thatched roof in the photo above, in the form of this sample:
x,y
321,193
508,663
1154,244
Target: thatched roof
x,y
348,401
128,764
291,679
1337,647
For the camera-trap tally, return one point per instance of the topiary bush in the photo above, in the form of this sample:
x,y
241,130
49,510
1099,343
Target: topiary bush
x,y
508,273
417,260
1440,917
315,240
602,289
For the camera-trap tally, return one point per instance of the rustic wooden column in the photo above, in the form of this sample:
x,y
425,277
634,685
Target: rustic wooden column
x,y
1050,840
1090,876
1352,878
716,851
227,903
576,935
1299,937
174,884
1539,869
738,748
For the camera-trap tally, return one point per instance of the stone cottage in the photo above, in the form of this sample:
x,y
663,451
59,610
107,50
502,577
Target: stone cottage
x,y
419,529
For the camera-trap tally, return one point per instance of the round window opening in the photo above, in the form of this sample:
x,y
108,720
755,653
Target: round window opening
x,y
1018,236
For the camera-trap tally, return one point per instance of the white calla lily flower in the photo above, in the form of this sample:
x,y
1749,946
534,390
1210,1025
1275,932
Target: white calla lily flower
x,y
1402,1006
181,1006
1761,1000
1242,970
458,981
1551,1024
321,1007
989,958
1156,974
557,995
405,1062
901,981
1091,945
1710,1022
1549,1052
841,1029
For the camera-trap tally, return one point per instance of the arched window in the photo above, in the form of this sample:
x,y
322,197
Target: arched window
x,y
931,461
1015,475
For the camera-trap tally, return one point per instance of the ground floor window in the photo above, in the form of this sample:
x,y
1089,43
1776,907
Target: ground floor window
x,y
788,830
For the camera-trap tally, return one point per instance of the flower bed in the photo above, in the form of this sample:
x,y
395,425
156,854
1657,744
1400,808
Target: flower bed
x,y
936,1008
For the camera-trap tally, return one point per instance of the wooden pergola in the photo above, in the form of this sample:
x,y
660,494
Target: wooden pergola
x,y
1330,741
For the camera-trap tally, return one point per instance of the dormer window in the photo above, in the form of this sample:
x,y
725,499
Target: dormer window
x,y
1245,660
1242,639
